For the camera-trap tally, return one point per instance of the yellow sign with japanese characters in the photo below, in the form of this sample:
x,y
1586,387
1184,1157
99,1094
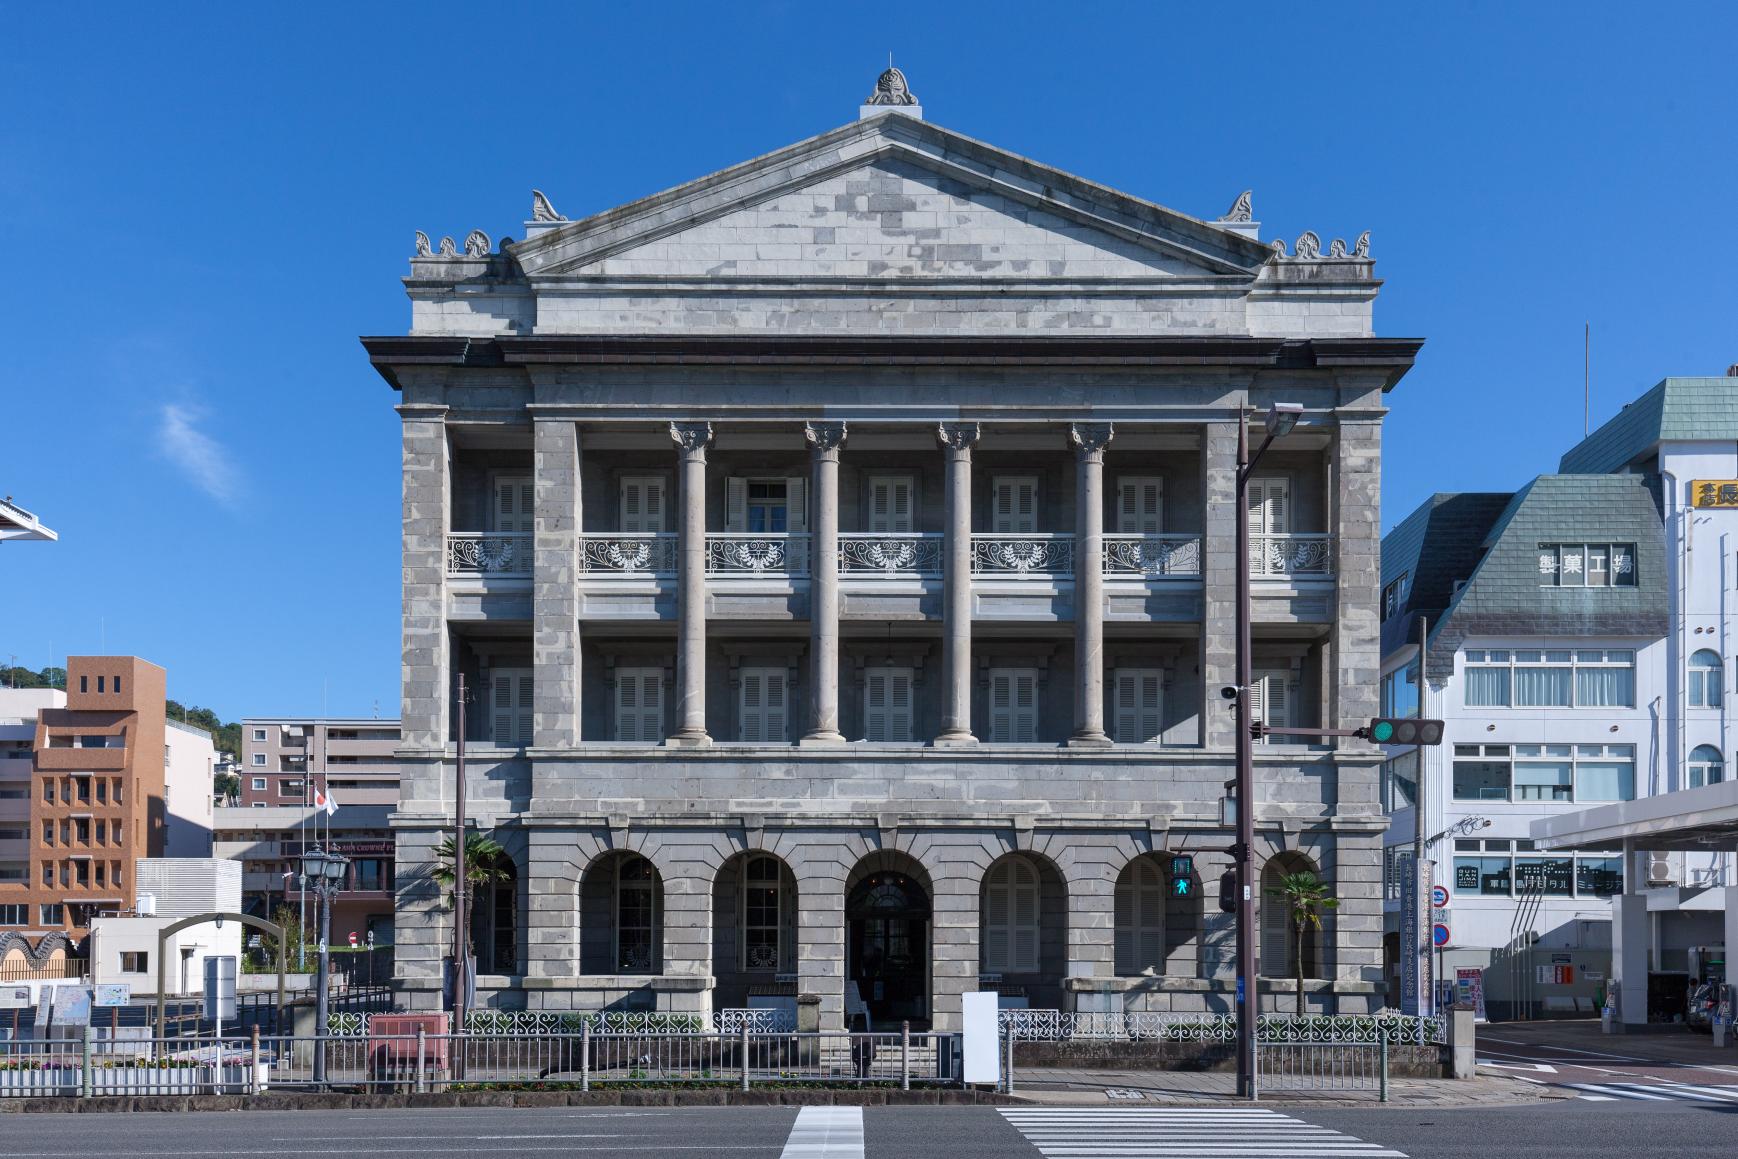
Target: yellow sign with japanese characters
x,y
1714,493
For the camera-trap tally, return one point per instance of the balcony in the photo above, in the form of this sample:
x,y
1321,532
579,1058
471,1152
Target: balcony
x,y
890,555
1152,557
1294,556
1032,555
750,555
487,555
628,554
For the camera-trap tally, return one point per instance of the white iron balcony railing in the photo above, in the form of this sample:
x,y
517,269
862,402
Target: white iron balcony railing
x,y
488,553
890,553
1152,556
1299,555
738,553
628,553
1013,556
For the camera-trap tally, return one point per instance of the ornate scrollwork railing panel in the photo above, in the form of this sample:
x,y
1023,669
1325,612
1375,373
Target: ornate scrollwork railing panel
x,y
1299,555
1055,1025
486,553
628,553
1013,556
748,554
1153,556
755,1021
890,553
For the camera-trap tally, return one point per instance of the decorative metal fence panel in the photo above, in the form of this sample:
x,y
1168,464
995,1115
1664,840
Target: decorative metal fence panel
x,y
891,554
476,553
1055,1025
1152,556
628,554
1021,555
740,554
1301,555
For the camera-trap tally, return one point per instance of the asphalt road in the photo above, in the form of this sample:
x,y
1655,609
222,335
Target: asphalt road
x,y
1565,1129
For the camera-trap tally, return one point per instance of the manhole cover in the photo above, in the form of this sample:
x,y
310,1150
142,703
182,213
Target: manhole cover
x,y
1122,1093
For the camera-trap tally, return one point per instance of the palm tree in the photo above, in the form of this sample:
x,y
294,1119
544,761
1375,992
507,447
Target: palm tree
x,y
484,865
1304,896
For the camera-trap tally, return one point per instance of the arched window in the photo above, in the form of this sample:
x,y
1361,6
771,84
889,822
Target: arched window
x,y
1706,766
621,916
1705,691
1011,917
763,926
1279,947
638,899
495,916
1141,898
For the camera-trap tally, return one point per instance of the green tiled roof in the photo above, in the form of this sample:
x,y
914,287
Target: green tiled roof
x,y
1433,547
1677,408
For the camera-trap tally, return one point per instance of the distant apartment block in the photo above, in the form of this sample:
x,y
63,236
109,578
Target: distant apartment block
x,y
283,759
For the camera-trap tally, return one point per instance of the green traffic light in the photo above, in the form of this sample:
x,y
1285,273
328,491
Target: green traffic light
x,y
1383,731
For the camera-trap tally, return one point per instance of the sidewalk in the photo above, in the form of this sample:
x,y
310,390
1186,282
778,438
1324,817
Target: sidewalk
x,y
1071,1087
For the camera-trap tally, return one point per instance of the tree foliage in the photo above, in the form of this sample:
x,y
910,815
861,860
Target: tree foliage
x,y
1305,897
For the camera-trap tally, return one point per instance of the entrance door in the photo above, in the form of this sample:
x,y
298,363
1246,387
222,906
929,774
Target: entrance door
x,y
887,948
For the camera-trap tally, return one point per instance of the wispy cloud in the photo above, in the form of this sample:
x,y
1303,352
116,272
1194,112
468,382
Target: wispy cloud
x,y
197,455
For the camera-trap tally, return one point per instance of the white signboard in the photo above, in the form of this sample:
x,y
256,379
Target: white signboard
x,y
982,1062
14,997
220,972
112,994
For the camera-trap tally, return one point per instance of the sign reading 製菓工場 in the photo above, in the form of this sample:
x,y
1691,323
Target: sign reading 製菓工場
x,y
1714,493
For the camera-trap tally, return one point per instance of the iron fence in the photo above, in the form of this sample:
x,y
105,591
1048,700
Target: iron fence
x,y
1056,1025
1321,1067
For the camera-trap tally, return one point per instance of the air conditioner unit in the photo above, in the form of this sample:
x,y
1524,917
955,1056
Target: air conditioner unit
x,y
146,906
1660,870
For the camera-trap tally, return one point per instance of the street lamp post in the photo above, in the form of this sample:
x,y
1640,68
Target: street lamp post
x,y
1281,418
323,873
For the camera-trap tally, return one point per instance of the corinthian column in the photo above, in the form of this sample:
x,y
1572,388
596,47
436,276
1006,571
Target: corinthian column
x,y
824,441
956,723
1089,441
691,441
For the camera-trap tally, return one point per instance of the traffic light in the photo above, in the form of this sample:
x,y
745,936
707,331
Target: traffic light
x,y
1404,730
1228,891
1182,876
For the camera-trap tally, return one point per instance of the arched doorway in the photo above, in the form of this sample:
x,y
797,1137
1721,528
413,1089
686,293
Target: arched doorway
x,y
754,929
621,919
495,915
887,937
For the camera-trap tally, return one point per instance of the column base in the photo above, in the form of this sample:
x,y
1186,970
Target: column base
x,y
688,740
821,740
1089,740
956,739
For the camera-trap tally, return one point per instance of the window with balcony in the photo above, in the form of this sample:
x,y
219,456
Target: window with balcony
x,y
892,503
1013,705
515,504
639,704
1271,696
1140,501
19,832
642,504
887,706
1269,505
1557,772
510,707
1704,679
1137,704
1014,504
766,506
1587,565
14,793
763,705
81,830
289,788
1550,678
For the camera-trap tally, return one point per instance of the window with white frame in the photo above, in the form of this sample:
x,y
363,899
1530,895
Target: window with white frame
x,y
892,503
1137,695
1504,867
259,734
642,507
1011,917
1014,504
1013,705
766,506
1394,596
1587,565
510,707
1704,682
887,705
259,783
515,504
1550,678
259,760
763,704
1270,699
1140,504
639,704
1554,772
761,914
1707,767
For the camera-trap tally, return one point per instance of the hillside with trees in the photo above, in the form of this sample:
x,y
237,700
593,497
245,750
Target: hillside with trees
x,y
226,738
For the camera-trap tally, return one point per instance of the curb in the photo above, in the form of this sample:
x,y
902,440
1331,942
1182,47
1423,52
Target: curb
x,y
115,1104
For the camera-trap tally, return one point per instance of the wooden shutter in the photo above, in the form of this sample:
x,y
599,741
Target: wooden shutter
x,y
764,705
1140,918
1137,711
997,933
890,503
1270,699
736,504
642,504
887,704
1277,936
1269,505
1010,920
1140,505
515,504
510,706
639,704
1013,705
796,504
1014,504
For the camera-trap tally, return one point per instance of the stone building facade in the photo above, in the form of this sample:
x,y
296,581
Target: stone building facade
x,y
838,554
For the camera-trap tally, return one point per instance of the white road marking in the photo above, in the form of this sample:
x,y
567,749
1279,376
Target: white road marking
x,y
1608,1093
826,1133
1195,1133
1535,1067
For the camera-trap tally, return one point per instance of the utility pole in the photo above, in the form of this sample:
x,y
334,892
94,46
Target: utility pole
x,y
461,938
1244,848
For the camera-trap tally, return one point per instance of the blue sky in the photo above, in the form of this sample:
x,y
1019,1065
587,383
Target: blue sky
x,y
204,209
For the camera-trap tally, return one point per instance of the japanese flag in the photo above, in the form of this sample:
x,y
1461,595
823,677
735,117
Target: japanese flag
x,y
323,799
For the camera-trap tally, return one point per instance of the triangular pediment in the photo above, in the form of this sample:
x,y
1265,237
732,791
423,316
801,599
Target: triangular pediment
x,y
892,198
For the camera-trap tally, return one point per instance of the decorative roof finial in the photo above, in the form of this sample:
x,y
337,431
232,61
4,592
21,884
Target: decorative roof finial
x,y
541,210
1243,209
891,88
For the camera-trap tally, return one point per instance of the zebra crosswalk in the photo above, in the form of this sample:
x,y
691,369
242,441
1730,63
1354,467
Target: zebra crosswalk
x,y
1175,1132
1662,1092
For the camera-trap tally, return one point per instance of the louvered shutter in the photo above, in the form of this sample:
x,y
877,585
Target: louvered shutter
x,y
510,706
1140,505
642,504
796,504
1269,505
1023,917
1140,918
1013,705
1270,698
515,504
764,705
887,705
736,504
1137,714
997,932
639,704
1277,936
890,503
1014,504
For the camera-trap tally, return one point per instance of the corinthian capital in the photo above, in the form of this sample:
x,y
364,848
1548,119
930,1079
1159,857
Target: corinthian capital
x,y
956,436
824,437
1090,438
691,437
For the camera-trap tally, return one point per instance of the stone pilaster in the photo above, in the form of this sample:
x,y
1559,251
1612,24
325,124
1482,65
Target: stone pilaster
x,y
955,937
824,441
691,441
1357,483
1089,441
554,601
427,508
1218,583
957,440
819,870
